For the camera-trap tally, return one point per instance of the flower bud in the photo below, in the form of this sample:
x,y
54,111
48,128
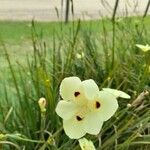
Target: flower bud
x,y
42,104
86,144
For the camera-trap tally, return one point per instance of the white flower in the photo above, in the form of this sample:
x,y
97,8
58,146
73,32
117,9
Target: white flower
x,y
86,144
79,56
144,48
117,93
84,108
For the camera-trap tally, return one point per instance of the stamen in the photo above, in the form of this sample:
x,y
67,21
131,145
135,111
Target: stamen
x,y
78,118
98,105
76,94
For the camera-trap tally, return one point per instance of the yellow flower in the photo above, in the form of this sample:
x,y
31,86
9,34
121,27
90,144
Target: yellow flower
x,y
86,144
84,108
47,81
144,48
2,136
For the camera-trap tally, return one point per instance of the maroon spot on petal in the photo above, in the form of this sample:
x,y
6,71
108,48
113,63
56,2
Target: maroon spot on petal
x,y
76,94
78,118
98,105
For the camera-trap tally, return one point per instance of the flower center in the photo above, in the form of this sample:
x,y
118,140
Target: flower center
x,y
97,105
79,118
83,110
76,94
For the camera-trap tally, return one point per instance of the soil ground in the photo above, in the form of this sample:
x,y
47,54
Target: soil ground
x,y
50,10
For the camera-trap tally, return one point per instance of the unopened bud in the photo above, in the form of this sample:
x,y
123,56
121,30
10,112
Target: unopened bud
x,y
42,104
129,105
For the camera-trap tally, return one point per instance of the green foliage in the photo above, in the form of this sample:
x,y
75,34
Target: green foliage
x,y
110,58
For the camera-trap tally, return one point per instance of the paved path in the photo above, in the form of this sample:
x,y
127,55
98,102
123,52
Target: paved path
x,y
45,10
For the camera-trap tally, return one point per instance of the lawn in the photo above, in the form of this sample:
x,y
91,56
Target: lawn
x,y
35,57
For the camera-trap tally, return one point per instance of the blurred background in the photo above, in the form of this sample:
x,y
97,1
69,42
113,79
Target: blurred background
x,y
54,10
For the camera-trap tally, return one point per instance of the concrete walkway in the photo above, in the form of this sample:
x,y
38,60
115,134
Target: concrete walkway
x,y
45,10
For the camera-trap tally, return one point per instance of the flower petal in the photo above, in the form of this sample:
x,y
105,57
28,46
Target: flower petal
x,y
68,87
90,88
108,104
66,109
144,48
73,128
93,123
117,93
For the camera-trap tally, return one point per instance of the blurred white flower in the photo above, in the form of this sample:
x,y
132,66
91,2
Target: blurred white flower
x,y
144,48
84,108
86,144
117,93
79,56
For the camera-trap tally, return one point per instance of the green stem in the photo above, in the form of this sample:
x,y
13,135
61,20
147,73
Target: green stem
x,y
10,143
23,139
113,40
50,137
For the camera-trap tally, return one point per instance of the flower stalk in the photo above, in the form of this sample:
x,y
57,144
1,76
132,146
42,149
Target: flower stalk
x,y
42,105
